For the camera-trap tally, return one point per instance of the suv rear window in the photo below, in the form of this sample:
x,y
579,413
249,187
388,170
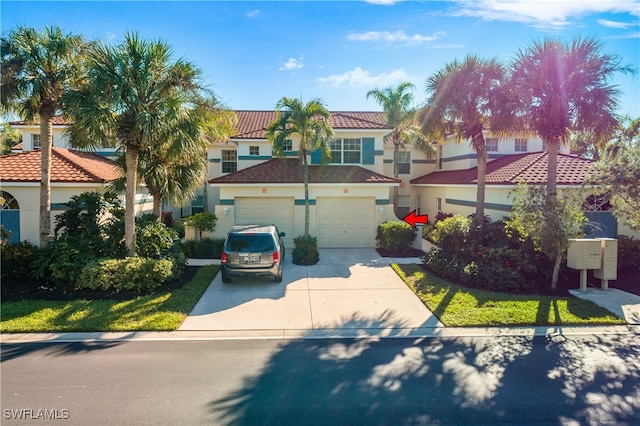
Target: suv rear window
x,y
256,243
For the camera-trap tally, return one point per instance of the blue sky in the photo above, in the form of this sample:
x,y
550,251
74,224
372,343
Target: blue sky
x,y
253,53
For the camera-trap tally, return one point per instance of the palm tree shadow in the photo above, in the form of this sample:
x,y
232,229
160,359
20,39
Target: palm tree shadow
x,y
437,380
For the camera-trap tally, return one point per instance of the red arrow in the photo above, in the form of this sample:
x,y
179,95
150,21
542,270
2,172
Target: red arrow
x,y
412,219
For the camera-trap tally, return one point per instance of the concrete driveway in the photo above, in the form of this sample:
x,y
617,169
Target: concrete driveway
x,y
349,293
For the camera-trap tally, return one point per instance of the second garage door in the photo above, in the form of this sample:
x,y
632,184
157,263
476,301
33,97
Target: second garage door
x,y
267,211
345,222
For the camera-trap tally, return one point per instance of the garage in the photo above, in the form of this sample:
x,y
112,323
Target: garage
x,y
267,211
345,222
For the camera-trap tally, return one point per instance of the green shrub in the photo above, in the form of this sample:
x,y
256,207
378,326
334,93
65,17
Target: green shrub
x,y
153,239
206,248
203,221
138,274
17,259
178,226
427,229
305,251
395,236
61,262
628,254
451,234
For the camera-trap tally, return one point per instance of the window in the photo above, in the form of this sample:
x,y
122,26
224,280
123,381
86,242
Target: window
x,y
404,163
440,157
36,141
439,204
492,144
521,145
229,161
346,151
288,145
254,150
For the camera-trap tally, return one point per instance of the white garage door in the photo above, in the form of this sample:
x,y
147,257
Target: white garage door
x,y
267,211
345,222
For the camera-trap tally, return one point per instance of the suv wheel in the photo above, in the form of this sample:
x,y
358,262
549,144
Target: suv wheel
x,y
225,277
278,277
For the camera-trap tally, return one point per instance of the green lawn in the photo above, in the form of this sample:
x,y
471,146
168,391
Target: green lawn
x,y
158,312
458,306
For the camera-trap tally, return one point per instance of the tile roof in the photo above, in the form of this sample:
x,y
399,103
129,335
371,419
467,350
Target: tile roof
x,y
251,124
58,120
289,171
66,166
508,170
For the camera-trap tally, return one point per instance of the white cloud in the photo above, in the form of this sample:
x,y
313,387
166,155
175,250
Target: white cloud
x,y
395,37
358,77
253,13
546,14
614,24
292,64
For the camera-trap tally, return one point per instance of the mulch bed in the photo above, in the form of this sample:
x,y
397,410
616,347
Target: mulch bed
x,y
35,290
410,253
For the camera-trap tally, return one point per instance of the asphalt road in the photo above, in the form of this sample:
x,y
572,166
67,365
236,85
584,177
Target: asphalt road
x,y
480,380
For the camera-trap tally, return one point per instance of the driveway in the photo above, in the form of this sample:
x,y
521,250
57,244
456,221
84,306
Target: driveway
x,y
350,292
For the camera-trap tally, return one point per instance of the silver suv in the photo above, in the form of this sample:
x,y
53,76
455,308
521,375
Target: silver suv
x,y
253,250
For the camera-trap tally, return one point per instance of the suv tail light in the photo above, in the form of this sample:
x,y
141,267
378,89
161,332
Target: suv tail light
x,y
223,258
276,257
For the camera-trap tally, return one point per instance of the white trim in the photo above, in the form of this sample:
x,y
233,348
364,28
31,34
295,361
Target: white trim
x,y
268,185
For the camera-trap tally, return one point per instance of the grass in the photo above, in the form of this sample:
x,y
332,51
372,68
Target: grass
x,y
157,312
458,306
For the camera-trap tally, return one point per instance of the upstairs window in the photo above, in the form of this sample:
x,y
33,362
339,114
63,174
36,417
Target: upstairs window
x,y
254,150
346,151
492,144
288,145
36,141
521,145
404,163
229,161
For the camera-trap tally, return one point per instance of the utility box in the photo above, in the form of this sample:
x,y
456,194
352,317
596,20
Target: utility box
x,y
584,254
609,252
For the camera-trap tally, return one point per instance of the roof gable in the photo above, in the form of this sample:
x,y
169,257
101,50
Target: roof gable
x,y
68,166
283,171
510,169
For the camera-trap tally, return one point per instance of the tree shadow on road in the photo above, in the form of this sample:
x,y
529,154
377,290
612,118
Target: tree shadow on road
x,y
439,380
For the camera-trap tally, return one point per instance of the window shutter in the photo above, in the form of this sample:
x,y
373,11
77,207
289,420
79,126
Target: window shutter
x,y
368,150
316,157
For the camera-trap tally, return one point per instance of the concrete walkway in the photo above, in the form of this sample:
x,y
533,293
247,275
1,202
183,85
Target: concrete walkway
x,y
349,293
623,304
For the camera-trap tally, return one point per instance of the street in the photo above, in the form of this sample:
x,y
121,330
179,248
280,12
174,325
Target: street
x,y
576,379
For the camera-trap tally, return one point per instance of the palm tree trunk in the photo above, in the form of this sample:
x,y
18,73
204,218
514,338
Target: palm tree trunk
x,y
157,203
396,147
46,140
305,174
552,170
131,159
556,269
481,153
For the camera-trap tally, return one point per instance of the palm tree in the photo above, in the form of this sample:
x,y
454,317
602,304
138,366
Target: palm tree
x,y
563,88
38,67
174,171
138,98
311,122
400,115
463,103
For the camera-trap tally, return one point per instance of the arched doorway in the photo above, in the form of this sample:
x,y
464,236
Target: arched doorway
x,y
10,216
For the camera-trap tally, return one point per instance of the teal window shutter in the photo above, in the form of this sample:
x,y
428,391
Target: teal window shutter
x,y
316,157
368,150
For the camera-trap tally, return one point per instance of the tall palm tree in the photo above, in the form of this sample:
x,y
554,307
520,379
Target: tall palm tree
x,y
174,171
311,122
400,115
138,98
38,67
463,103
565,87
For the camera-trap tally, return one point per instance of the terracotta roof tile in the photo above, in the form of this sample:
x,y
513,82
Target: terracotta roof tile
x,y
58,120
66,166
289,171
510,169
251,124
